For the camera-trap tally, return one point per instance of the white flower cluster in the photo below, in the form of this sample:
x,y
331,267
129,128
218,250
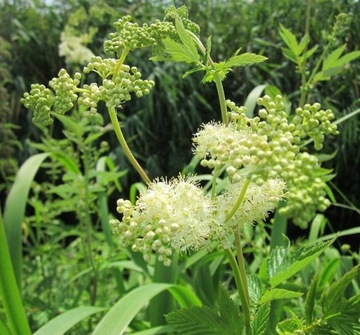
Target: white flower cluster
x,y
74,50
169,215
176,216
221,145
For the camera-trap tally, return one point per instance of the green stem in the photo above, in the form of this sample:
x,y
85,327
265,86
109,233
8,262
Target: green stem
x,y
239,266
124,145
87,224
242,270
304,82
241,288
221,96
10,295
120,62
239,200
217,79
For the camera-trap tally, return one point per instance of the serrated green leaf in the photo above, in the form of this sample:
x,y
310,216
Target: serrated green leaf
x,y
278,293
310,300
196,321
327,74
333,296
185,51
290,40
303,44
244,59
177,52
276,260
289,326
259,322
281,267
255,288
349,57
67,162
186,39
197,69
310,52
334,63
229,312
342,324
331,60
289,54
223,68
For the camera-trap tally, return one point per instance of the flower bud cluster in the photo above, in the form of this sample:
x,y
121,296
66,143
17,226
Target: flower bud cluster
x,y
42,100
118,83
118,90
65,91
222,146
182,12
39,100
267,147
104,67
168,216
314,122
131,36
306,193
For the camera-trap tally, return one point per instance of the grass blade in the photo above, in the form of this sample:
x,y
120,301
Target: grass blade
x,y
116,321
63,322
10,295
15,209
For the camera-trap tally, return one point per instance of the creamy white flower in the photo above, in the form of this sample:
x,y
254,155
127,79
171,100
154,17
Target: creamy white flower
x,y
258,201
224,145
168,216
74,50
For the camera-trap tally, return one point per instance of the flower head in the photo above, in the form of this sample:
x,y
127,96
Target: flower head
x,y
256,204
169,216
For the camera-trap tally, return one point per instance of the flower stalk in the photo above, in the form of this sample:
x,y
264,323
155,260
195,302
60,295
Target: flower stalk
x,y
125,147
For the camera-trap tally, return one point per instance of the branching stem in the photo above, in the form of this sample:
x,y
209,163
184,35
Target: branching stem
x,y
124,145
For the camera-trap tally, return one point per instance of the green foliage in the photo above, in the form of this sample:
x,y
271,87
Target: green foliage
x,y
71,258
340,314
223,319
260,320
282,265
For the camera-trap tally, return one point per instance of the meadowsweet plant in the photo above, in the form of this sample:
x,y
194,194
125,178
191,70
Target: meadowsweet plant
x,y
254,161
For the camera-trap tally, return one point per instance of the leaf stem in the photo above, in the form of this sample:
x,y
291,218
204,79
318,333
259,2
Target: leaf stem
x,y
124,145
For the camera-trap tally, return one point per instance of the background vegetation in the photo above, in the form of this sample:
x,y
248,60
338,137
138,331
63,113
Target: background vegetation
x,y
159,127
